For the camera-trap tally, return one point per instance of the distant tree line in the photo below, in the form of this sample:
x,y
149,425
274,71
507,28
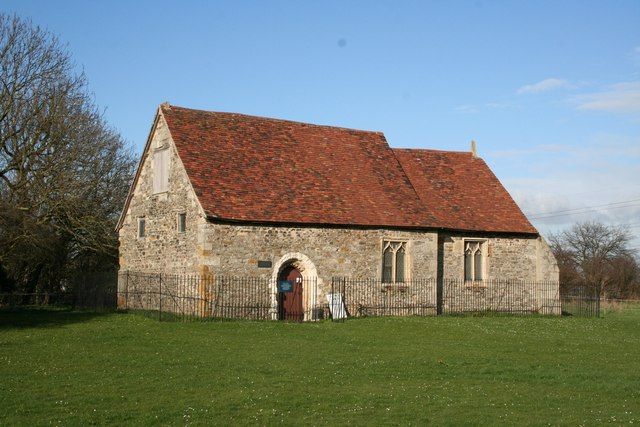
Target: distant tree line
x,y
64,173
597,255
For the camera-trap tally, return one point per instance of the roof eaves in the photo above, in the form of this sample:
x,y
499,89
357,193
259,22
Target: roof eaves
x,y
221,220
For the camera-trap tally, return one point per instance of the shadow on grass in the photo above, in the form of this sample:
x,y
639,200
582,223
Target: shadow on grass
x,y
44,317
177,317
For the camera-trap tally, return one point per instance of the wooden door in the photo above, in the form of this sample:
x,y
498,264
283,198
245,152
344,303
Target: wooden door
x,y
290,303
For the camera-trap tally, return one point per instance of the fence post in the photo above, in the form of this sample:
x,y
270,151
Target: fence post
x,y
126,291
160,297
333,292
343,291
439,294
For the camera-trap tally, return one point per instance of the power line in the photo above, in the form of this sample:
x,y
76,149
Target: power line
x,y
584,211
591,191
588,207
613,205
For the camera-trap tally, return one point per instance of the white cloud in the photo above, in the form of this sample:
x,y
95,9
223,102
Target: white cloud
x,y
620,98
547,178
544,86
473,109
467,109
500,105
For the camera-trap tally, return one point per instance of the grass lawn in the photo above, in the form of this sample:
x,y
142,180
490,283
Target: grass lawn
x,y
60,367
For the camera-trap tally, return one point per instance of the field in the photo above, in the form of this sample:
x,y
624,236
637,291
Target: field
x,y
72,368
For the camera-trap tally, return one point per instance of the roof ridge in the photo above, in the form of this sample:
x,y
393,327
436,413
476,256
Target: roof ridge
x,y
168,106
431,150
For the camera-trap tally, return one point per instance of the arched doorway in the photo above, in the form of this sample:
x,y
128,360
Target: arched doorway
x,y
290,283
308,289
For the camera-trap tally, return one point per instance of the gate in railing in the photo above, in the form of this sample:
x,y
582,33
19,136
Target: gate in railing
x,y
580,300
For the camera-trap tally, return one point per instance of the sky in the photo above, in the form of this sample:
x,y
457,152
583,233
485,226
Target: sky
x,y
549,90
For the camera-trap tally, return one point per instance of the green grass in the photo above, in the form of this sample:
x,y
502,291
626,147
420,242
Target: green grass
x,y
72,368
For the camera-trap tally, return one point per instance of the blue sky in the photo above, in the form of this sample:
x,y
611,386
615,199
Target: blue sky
x,y
550,90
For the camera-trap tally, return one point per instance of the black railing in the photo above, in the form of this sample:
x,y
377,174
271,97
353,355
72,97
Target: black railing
x,y
370,297
449,296
185,296
500,296
226,297
580,300
219,297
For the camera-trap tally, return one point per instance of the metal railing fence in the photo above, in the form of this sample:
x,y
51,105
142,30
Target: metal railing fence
x,y
195,296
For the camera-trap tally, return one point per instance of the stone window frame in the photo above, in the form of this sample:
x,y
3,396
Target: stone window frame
x,y
165,151
181,226
160,143
484,253
141,230
401,243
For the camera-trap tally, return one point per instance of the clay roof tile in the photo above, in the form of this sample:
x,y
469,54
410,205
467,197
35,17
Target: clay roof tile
x,y
256,169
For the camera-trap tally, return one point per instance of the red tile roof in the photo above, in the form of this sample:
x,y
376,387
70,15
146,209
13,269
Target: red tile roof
x,y
460,190
255,169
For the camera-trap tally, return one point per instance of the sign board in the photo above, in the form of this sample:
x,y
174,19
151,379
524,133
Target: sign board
x,y
285,286
264,264
336,306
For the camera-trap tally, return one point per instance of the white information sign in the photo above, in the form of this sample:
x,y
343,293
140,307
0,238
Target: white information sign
x,y
336,306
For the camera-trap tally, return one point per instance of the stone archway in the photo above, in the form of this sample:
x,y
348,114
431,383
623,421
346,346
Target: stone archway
x,y
310,281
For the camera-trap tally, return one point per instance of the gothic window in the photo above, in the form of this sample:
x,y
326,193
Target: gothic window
x,y
400,264
473,260
393,262
387,265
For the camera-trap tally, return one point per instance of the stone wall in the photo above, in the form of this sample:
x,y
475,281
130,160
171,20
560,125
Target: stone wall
x,y
546,264
371,297
517,257
163,249
506,296
520,274
236,249
196,295
260,251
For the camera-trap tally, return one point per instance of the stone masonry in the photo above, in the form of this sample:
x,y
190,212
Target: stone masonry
x,y
234,249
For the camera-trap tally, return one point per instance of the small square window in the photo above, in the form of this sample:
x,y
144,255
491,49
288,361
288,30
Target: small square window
x,y
141,228
182,222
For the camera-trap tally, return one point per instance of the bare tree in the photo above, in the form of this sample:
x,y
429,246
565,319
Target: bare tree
x,y
593,253
64,173
624,274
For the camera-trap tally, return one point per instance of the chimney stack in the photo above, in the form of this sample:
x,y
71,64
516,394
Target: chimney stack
x,y
474,149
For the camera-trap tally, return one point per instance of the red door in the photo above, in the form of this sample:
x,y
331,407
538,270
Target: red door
x,y
290,303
